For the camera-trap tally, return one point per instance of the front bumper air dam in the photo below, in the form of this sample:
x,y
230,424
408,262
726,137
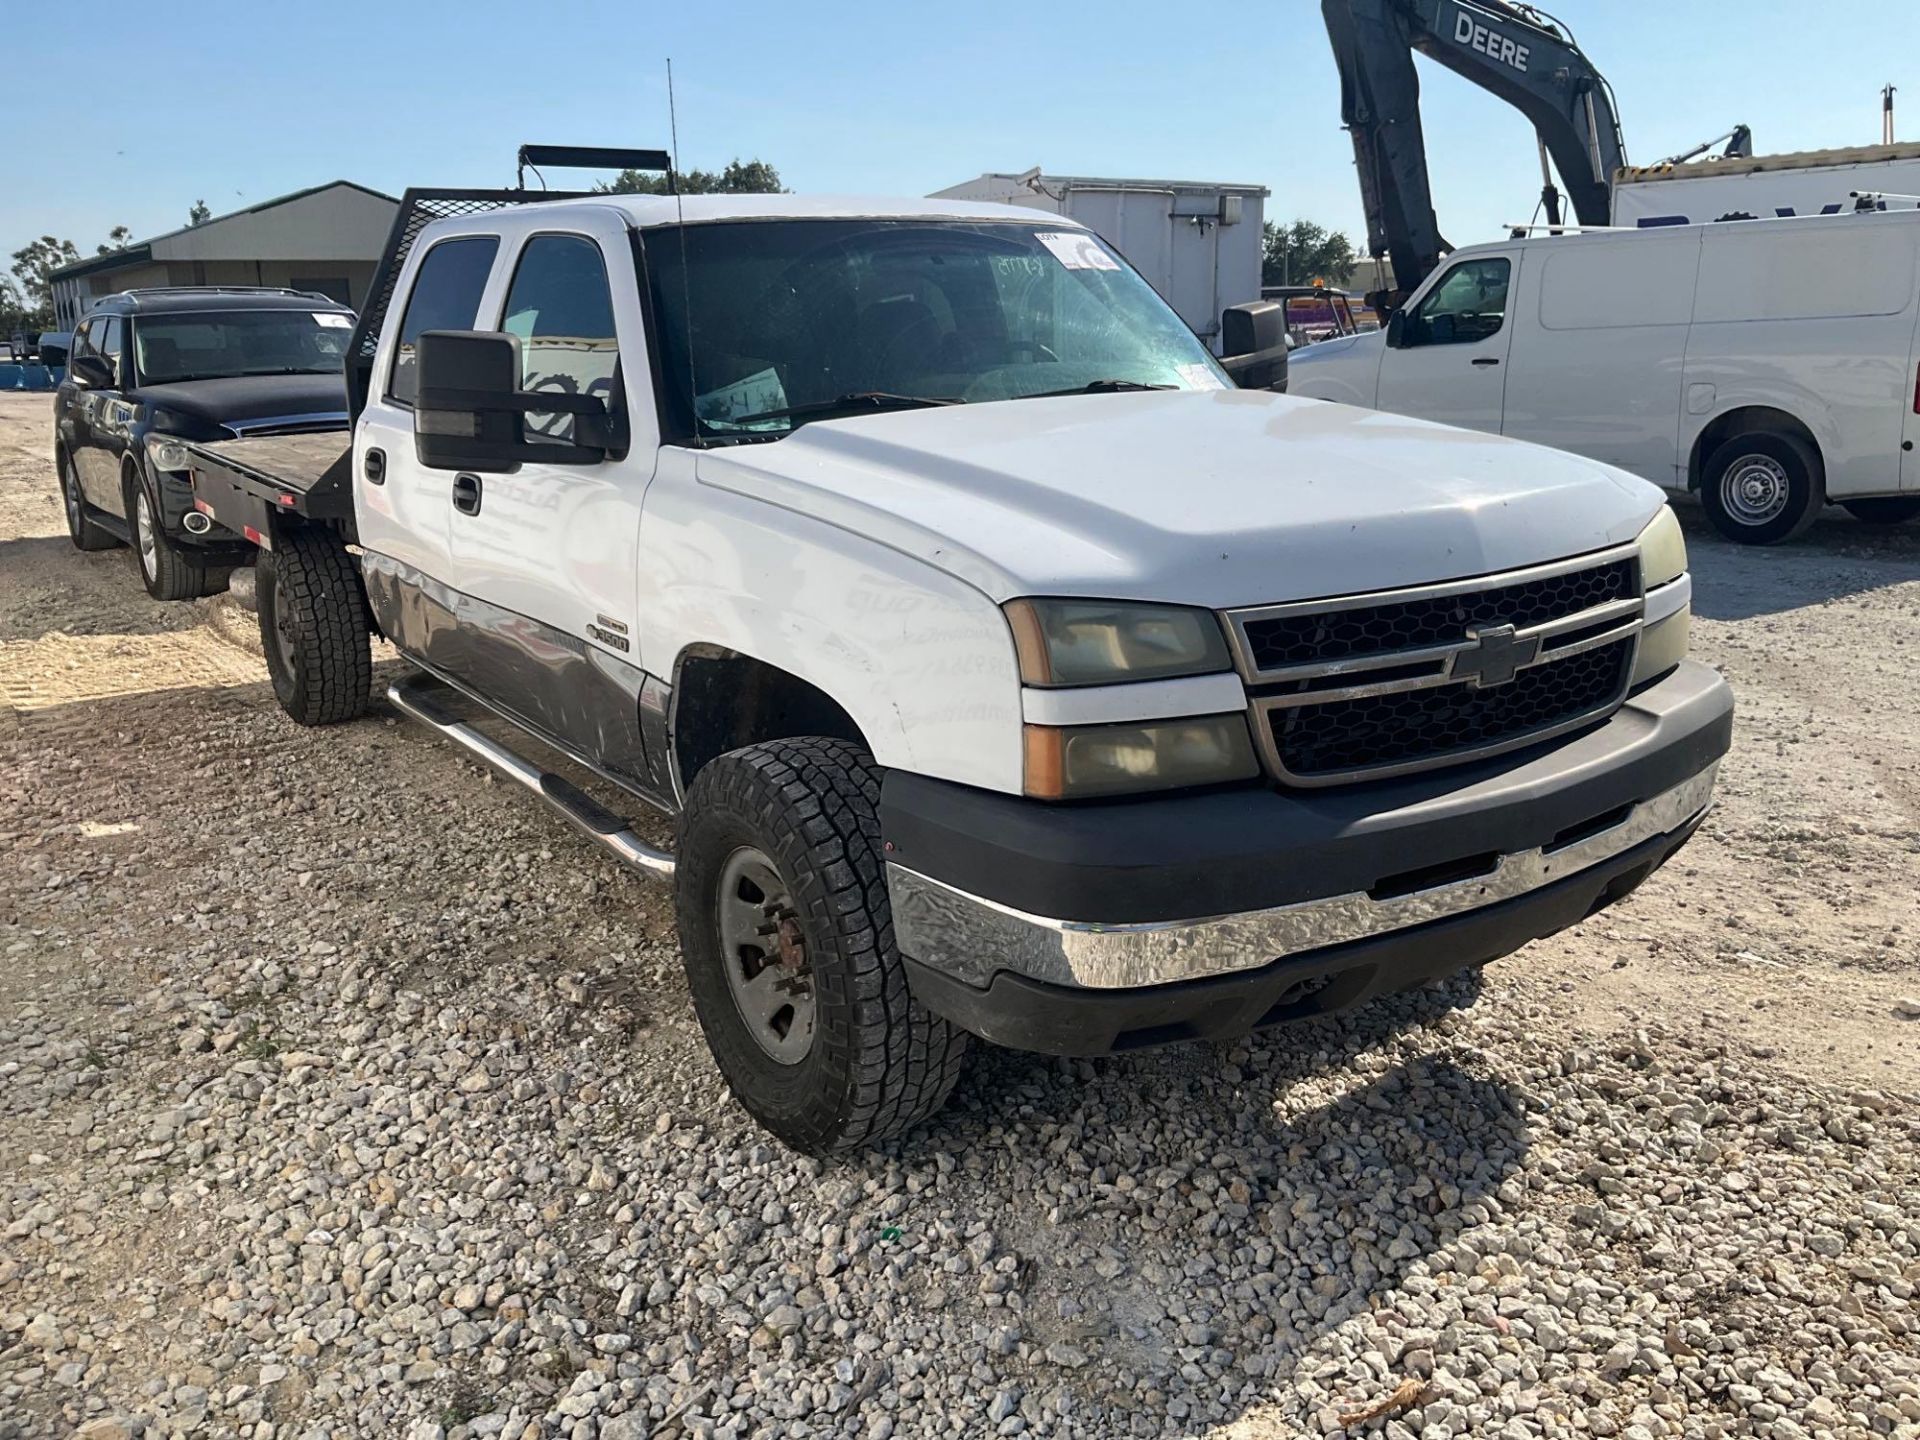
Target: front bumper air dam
x,y
1330,898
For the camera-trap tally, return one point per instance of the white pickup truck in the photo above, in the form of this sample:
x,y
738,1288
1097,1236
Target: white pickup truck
x,y
1008,673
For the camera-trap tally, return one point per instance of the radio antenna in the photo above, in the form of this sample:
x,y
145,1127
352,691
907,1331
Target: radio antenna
x,y
686,282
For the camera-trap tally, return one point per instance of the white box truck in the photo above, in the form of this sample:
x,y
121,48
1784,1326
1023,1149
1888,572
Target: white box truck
x,y
1198,243
1765,187
1769,364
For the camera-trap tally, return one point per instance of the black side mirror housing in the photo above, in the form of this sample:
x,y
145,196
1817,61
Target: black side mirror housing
x,y
91,372
1253,341
1397,330
469,412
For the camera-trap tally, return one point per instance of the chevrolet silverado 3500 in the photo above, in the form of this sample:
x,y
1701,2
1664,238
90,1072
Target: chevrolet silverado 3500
x,y
1006,671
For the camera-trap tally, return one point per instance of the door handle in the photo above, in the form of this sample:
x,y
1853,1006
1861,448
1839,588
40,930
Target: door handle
x,y
466,494
1485,360
374,467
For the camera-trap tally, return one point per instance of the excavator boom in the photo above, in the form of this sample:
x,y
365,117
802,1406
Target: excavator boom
x,y
1509,49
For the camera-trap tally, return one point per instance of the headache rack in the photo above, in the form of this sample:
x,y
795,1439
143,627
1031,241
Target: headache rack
x,y
421,207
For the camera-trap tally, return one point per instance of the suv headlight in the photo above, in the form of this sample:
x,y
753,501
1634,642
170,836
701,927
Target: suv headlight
x,y
1663,571
166,453
1100,642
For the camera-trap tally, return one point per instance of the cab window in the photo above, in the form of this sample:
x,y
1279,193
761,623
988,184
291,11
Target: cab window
x,y
1469,304
108,342
560,307
446,296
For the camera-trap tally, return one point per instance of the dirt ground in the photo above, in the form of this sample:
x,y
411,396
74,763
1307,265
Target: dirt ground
x,y
156,808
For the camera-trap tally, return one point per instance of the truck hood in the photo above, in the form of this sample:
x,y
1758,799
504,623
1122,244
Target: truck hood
x,y
1214,498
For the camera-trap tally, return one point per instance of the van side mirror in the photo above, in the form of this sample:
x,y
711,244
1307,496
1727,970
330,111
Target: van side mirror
x,y
1397,330
91,372
469,412
1253,344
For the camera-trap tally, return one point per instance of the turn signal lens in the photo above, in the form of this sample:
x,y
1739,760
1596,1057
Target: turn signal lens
x,y
1088,761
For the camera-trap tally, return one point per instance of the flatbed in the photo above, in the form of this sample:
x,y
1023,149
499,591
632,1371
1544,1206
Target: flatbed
x,y
242,484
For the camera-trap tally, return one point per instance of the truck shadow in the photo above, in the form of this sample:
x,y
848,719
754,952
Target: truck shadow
x,y
1837,557
1230,1205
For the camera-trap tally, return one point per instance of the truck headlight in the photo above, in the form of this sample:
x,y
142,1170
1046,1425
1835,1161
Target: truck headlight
x,y
1663,549
1663,571
166,453
1086,761
1101,642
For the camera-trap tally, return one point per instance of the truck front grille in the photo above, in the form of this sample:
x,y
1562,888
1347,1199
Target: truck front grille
x,y
1366,686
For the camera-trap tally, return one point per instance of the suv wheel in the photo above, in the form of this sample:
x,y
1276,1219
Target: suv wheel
x,y
313,627
1761,488
787,936
82,529
168,570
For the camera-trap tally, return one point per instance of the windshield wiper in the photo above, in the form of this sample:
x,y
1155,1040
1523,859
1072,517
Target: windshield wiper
x,y
846,405
1097,387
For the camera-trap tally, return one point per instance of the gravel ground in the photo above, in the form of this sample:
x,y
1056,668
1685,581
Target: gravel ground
x,y
342,1093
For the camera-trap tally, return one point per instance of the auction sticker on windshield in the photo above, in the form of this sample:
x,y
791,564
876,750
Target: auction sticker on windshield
x,y
332,321
1077,250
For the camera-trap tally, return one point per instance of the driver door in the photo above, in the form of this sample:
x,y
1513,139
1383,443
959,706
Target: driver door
x,y
1449,362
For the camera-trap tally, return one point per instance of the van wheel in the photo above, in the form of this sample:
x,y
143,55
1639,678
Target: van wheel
x,y
168,571
1761,488
787,936
313,627
82,529
1883,509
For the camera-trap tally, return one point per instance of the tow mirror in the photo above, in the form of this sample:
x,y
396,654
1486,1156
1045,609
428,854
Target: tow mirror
x,y
1397,330
1253,343
92,372
470,413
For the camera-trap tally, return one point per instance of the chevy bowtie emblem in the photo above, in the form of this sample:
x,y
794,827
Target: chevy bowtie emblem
x,y
1494,656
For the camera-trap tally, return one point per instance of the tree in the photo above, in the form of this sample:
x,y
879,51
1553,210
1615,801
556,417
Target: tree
x,y
199,214
1303,252
755,177
118,238
33,266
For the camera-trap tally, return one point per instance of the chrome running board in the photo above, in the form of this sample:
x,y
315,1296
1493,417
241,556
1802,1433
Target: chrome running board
x,y
418,698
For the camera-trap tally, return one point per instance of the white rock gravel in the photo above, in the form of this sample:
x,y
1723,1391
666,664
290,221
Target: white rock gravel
x,y
341,1094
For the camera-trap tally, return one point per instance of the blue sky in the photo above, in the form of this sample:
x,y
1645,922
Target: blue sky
x,y
237,103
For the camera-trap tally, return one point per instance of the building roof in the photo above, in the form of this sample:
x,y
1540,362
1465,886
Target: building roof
x,y
1028,179
142,252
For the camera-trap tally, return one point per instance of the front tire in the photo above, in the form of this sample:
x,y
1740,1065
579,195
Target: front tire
x,y
85,532
1883,509
313,627
787,936
169,571
1762,488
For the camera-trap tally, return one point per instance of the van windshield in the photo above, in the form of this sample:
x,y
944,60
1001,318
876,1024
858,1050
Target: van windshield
x,y
219,344
794,316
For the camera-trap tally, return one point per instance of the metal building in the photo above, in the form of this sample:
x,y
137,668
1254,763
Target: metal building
x,y
328,238
1199,244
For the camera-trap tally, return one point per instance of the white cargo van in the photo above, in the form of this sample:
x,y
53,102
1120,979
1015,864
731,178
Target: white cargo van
x,y
1769,364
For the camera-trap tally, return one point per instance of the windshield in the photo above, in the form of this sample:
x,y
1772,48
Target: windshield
x,y
788,315
212,345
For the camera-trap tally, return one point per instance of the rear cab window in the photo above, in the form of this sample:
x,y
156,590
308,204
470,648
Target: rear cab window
x,y
560,306
445,296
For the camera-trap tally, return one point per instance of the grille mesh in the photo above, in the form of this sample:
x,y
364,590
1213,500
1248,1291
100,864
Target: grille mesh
x,y
1282,640
1424,726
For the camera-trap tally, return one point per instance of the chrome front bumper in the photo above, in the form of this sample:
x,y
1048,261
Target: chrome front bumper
x,y
974,938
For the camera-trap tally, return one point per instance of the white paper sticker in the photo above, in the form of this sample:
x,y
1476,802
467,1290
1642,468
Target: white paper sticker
x,y
1198,376
1077,250
332,321
748,396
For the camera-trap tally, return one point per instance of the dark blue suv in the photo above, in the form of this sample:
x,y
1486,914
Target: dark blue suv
x,y
150,368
